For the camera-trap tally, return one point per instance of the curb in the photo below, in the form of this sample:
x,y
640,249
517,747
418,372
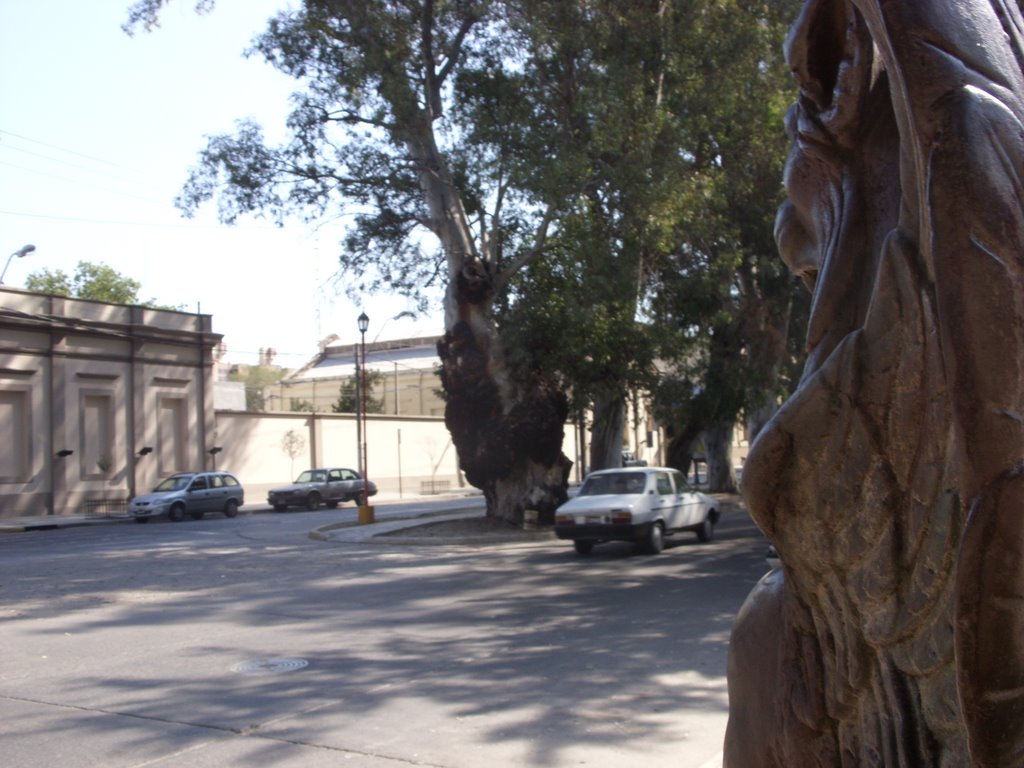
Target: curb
x,y
381,532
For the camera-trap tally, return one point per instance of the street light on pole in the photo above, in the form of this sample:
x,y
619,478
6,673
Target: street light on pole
x,y
365,511
25,250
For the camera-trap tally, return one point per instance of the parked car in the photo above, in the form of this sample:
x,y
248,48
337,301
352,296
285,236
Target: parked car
x,y
190,493
638,504
629,459
325,485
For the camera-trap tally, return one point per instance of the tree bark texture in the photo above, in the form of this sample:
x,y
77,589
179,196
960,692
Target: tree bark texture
x,y
508,434
891,482
609,420
718,448
509,440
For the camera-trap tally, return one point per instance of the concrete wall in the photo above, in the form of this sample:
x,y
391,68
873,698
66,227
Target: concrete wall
x,y
405,456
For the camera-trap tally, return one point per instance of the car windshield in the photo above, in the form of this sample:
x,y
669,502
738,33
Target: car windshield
x,y
176,483
613,483
312,476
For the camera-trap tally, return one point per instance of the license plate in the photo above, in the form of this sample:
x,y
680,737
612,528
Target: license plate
x,y
595,519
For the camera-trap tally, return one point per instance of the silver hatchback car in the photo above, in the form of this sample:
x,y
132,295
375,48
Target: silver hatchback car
x,y
190,493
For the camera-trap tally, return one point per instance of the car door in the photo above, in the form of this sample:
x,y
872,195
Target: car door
x,y
351,483
198,496
690,507
334,490
217,496
667,499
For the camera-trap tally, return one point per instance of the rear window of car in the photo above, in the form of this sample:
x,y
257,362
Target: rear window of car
x,y
613,483
229,480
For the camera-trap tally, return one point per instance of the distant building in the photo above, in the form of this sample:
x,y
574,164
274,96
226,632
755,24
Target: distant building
x,y
407,380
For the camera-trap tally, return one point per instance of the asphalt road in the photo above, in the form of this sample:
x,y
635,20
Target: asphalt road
x,y
245,642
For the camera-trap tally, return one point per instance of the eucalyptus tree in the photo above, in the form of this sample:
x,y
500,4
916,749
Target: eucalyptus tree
x,y
433,201
665,256
620,59
732,318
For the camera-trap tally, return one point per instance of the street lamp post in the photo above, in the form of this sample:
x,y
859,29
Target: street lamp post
x,y
25,250
365,510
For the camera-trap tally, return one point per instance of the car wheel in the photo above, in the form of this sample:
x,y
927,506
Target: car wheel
x,y
280,507
196,515
332,504
655,539
313,501
583,547
177,513
706,532
231,508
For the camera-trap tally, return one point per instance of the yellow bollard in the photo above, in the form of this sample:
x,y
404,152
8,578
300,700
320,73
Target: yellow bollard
x,y
365,514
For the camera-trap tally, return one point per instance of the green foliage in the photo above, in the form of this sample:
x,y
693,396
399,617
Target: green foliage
x,y
257,379
732,318
347,401
96,282
618,163
664,257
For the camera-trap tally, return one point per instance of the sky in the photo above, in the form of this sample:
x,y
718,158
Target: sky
x,y
98,131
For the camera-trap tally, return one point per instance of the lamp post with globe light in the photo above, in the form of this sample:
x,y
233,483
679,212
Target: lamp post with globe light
x,y
25,250
365,510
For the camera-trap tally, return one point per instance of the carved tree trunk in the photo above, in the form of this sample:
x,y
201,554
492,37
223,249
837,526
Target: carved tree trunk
x,y
891,481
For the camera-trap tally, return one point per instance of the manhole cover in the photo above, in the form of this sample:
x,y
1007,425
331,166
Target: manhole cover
x,y
268,666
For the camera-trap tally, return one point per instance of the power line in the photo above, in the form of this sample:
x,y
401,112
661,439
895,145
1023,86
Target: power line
x,y
71,164
68,151
164,225
80,183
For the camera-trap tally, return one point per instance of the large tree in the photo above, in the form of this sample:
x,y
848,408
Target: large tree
x,y
373,132
667,250
581,131
730,313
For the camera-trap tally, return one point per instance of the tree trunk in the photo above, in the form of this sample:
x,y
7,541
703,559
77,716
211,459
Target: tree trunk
x,y
606,439
680,450
718,444
758,417
508,438
508,435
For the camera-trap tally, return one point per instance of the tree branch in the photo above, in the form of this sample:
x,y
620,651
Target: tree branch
x,y
539,243
455,49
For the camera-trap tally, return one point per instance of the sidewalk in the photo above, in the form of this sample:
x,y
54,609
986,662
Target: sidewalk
x,y
337,532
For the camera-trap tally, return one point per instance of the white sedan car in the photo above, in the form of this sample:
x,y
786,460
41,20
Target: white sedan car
x,y
638,504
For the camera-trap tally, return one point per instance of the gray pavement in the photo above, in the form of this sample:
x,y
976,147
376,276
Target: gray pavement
x,y
230,643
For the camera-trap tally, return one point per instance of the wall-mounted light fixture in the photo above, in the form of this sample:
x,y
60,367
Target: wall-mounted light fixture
x,y
64,453
215,450
145,451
